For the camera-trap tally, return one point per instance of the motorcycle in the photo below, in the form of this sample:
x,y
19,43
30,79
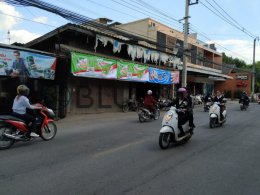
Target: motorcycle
x,y
131,105
207,104
13,129
214,115
243,104
144,114
164,104
169,133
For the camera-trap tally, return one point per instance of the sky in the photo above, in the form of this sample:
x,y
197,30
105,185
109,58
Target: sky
x,y
231,24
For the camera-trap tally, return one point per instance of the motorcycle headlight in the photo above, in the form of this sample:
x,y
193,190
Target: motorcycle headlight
x,y
168,117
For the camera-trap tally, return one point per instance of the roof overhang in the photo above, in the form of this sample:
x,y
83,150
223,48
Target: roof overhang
x,y
212,74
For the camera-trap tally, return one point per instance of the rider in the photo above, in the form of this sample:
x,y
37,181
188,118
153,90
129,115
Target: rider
x,y
219,98
149,101
21,102
244,98
184,103
190,110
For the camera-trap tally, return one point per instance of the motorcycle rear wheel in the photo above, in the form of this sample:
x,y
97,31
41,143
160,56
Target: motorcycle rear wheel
x,y
49,131
5,142
164,140
141,117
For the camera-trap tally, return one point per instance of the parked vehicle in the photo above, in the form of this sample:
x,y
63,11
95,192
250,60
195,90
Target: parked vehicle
x,y
164,104
169,133
207,104
13,129
214,115
132,105
145,115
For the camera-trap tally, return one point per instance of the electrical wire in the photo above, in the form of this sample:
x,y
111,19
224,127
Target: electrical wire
x,y
77,18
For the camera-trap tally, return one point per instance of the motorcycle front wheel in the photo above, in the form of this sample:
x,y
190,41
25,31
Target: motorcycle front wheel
x,y
5,142
212,122
164,140
125,108
156,114
48,131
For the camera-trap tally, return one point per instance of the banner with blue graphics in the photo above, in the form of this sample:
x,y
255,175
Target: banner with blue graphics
x,y
159,76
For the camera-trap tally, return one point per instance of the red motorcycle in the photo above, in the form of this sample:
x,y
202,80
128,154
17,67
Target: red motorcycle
x,y
13,129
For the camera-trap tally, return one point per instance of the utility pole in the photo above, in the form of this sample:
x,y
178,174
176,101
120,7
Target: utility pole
x,y
8,36
185,43
253,75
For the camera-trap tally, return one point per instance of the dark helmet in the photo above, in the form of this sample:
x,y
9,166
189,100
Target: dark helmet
x,y
23,90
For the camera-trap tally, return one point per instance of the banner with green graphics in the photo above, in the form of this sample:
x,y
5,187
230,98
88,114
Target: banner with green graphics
x,y
132,71
87,65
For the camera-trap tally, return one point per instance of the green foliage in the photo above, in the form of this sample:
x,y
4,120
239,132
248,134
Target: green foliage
x,y
230,60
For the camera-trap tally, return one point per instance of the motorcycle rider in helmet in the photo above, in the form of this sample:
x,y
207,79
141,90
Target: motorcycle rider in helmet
x,y
184,103
220,99
20,103
149,101
244,98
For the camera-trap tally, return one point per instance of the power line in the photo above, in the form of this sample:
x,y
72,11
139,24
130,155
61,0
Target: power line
x,y
220,15
77,18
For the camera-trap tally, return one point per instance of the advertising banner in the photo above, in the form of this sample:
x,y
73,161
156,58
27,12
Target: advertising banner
x,y
160,76
17,63
175,77
86,65
132,72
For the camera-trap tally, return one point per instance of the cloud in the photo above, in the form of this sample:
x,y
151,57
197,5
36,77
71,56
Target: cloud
x,y
6,16
237,48
41,19
21,36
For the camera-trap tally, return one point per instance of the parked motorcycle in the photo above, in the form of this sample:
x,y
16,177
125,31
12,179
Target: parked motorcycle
x,y
145,115
214,115
169,133
207,104
13,129
164,104
131,105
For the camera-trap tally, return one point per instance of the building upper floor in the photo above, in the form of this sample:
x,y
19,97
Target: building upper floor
x,y
171,41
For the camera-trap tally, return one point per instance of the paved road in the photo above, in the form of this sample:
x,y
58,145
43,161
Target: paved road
x,y
115,154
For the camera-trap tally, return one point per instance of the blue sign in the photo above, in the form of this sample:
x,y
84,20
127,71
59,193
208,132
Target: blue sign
x,y
160,76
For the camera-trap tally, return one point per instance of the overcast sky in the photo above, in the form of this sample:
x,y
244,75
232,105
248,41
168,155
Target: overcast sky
x,y
209,18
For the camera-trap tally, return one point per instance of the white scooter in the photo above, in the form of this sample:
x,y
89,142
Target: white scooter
x,y
214,115
169,133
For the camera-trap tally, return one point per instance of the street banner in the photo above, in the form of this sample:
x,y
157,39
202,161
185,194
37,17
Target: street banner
x,y
160,76
87,65
175,77
132,72
17,63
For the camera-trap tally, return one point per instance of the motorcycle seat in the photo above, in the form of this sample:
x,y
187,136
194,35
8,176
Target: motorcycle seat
x,y
10,117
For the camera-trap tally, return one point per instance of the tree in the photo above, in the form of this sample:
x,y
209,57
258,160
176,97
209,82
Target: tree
x,y
230,60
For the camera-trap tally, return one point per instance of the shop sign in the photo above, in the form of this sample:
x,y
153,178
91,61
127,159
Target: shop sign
x,y
241,77
93,66
132,72
16,63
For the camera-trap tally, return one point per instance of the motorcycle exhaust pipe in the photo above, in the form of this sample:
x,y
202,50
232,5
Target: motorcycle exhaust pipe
x,y
12,136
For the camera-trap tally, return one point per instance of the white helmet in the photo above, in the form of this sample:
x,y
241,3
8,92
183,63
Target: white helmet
x,y
149,92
